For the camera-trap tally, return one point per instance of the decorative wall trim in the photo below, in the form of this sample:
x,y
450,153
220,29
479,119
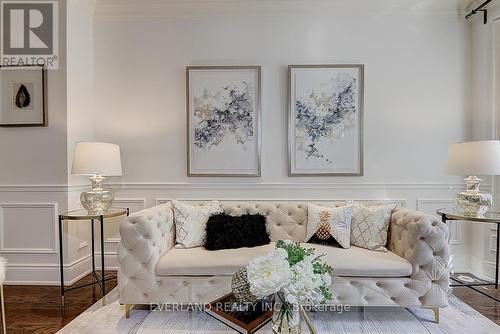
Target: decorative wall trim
x,y
400,202
455,231
47,273
112,240
249,185
141,201
83,244
54,188
493,243
444,202
141,195
29,250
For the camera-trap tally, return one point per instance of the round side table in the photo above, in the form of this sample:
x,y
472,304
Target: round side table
x,y
79,215
487,218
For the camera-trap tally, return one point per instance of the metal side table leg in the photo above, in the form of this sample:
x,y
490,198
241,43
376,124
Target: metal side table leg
x,y
103,278
497,256
61,259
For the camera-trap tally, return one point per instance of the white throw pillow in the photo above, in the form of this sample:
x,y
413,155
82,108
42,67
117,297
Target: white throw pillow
x,y
370,226
191,222
327,225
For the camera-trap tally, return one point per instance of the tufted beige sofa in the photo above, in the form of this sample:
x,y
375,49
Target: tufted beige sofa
x,y
413,273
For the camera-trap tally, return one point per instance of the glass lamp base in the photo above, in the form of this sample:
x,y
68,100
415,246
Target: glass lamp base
x,y
97,201
473,202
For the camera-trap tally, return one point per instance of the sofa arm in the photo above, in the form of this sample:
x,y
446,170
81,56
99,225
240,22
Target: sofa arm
x,y
422,240
145,236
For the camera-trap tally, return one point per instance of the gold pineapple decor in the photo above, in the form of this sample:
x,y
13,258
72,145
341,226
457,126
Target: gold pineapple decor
x,y
323,230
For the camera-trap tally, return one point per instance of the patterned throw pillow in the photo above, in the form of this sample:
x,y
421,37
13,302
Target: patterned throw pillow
x,y
329,226
191,221
370,226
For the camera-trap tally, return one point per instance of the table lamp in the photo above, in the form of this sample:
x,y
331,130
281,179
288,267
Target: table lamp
x,y
471,159
97,160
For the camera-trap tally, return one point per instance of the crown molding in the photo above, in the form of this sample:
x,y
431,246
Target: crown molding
x,y
172,9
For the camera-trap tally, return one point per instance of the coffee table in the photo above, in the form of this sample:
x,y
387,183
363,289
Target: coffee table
x,y
244,318
382,309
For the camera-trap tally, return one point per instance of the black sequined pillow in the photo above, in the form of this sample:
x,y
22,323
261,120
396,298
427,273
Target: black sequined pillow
x,y
229,232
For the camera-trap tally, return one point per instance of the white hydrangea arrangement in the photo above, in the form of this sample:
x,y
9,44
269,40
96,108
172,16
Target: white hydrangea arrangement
x,y
294,274
268,274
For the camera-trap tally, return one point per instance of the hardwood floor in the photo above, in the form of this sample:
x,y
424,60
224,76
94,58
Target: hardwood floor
x,y
36,309
486,306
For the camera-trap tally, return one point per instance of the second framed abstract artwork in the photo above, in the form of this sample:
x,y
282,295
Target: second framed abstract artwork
x,y
223,120
325,120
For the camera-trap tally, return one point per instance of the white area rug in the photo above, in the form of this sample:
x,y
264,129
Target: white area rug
x,y
458,318
372,320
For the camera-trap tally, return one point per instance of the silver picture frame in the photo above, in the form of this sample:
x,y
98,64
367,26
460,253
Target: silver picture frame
x,y
292,172
191,171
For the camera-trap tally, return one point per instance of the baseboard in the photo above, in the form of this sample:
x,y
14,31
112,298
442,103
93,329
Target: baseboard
x,y
49,274
488,270
482,269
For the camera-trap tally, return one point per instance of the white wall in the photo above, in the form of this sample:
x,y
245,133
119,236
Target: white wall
x,y
80,120
129,68
417,87
33,178
417,98
35,163
485,125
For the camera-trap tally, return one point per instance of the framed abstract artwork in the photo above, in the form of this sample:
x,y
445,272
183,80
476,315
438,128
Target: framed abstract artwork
x,y
223,120
325,120
23,96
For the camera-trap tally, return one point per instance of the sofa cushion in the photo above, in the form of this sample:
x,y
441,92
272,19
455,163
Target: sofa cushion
x,y
200,261
354,261
361,262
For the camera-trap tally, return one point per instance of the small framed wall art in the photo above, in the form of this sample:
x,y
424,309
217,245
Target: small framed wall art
x,y
223,120
23,96
325,120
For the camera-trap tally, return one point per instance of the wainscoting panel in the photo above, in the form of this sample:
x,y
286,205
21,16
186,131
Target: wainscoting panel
x,y
400,202
38,206
28,228
111,230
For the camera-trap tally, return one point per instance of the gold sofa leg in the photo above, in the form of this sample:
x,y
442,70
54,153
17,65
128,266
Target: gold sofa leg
x,y
436,314
128,307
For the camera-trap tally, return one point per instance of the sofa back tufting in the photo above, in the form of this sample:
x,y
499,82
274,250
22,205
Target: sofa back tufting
x,y
285,219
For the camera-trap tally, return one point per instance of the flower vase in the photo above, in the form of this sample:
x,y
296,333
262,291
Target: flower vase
x,y
286,317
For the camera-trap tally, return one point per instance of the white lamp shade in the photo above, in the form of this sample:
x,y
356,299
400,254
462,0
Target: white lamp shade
x,y
92,158
474,158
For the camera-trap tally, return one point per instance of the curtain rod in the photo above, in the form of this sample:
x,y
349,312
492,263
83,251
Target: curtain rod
x,y
480,9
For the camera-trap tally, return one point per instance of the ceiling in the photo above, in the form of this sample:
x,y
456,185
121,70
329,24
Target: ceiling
x,y
207,7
